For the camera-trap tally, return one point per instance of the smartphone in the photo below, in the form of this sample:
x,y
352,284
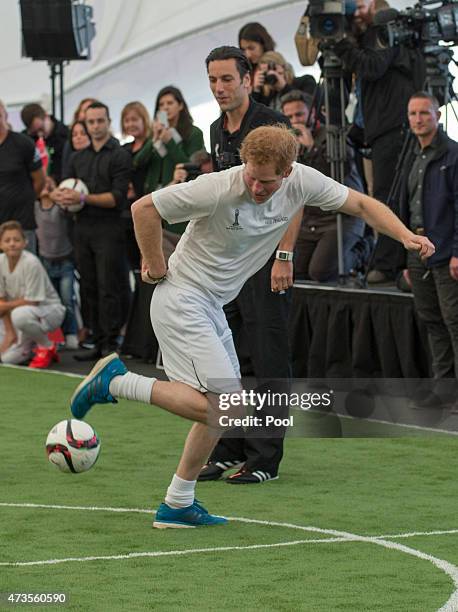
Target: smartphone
x,y
162,118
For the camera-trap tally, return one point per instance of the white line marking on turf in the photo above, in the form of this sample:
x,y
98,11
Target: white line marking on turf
x,y
238,519
450,432
165,553
451,605
38,371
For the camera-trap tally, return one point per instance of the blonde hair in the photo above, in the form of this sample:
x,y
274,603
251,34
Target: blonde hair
x,y
277,58
270,143
141,110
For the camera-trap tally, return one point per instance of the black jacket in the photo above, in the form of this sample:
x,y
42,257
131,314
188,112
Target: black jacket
x,y
225,147
439,200
389,76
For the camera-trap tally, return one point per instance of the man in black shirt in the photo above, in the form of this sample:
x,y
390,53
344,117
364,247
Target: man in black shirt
x,y
105,168
258,313
21,177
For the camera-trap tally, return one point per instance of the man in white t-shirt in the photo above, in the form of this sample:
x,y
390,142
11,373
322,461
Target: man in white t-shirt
x,y
236,218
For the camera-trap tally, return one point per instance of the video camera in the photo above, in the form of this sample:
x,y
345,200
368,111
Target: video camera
x,y
421,25
324,23
327,19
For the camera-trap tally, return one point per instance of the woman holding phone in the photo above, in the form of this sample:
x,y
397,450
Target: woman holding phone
x,y
174,139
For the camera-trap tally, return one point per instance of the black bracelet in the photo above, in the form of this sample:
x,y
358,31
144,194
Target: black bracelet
x,y
155,280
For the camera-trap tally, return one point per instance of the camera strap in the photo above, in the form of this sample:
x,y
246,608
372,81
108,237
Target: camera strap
x,y
244,129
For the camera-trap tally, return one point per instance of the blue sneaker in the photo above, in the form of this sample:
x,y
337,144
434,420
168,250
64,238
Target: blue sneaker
x,y
95,388
189,517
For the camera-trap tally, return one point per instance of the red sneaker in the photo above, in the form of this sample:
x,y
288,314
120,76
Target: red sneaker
x,y
44,356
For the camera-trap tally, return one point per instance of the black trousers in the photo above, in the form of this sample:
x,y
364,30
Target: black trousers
x,y
389,255
100,252
261,317
435,294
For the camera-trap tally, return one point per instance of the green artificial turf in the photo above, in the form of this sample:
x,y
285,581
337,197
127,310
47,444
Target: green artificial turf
x,y
369,487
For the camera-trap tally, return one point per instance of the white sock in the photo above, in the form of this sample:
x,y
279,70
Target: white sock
x,y
132,387
180,493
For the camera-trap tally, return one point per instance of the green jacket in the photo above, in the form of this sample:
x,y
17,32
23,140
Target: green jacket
x,y
161,169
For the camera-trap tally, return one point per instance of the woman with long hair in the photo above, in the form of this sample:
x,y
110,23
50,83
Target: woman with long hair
x,y
174,139
78,117
255,40
135,122
78,139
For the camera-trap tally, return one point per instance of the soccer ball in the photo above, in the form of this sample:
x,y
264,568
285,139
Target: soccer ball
x,y
77,185
73,446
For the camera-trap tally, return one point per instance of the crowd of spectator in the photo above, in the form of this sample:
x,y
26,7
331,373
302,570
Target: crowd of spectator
x,y
83,231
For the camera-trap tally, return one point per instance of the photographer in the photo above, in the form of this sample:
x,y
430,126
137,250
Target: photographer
x,y
200,163
255,40
274,77
388,76
316,247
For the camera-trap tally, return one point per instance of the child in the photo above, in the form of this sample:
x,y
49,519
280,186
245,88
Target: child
x,y
29,304
56,254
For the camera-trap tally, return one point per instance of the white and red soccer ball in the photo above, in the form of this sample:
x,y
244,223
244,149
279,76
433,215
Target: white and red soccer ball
x,y
73,446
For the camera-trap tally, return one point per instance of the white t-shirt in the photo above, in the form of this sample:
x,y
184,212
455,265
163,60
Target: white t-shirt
x,y
230,237
29,281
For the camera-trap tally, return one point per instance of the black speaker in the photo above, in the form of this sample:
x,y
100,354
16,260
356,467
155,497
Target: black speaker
x,y
56,30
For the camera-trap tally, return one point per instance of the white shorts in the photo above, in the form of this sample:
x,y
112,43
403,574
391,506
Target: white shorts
x,y
195,339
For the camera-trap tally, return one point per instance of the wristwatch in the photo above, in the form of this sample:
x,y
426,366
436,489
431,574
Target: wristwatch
x,y
284,255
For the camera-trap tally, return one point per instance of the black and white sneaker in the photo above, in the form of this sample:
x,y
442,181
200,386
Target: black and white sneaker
x,y
247,477
213,470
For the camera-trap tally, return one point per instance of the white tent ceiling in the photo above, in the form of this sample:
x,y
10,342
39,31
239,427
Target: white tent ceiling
x,y
142,45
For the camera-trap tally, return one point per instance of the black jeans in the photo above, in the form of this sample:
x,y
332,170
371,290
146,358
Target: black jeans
x,y
100,251
389,255
262,317
436,300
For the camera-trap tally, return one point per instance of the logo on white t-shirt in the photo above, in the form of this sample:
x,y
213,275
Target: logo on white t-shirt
x,y
236,225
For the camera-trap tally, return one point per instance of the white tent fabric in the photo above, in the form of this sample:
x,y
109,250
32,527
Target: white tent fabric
x,y
143,45
140,46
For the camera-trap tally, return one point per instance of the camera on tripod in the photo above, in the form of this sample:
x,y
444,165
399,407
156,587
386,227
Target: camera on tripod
x,y
327,19
420,25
